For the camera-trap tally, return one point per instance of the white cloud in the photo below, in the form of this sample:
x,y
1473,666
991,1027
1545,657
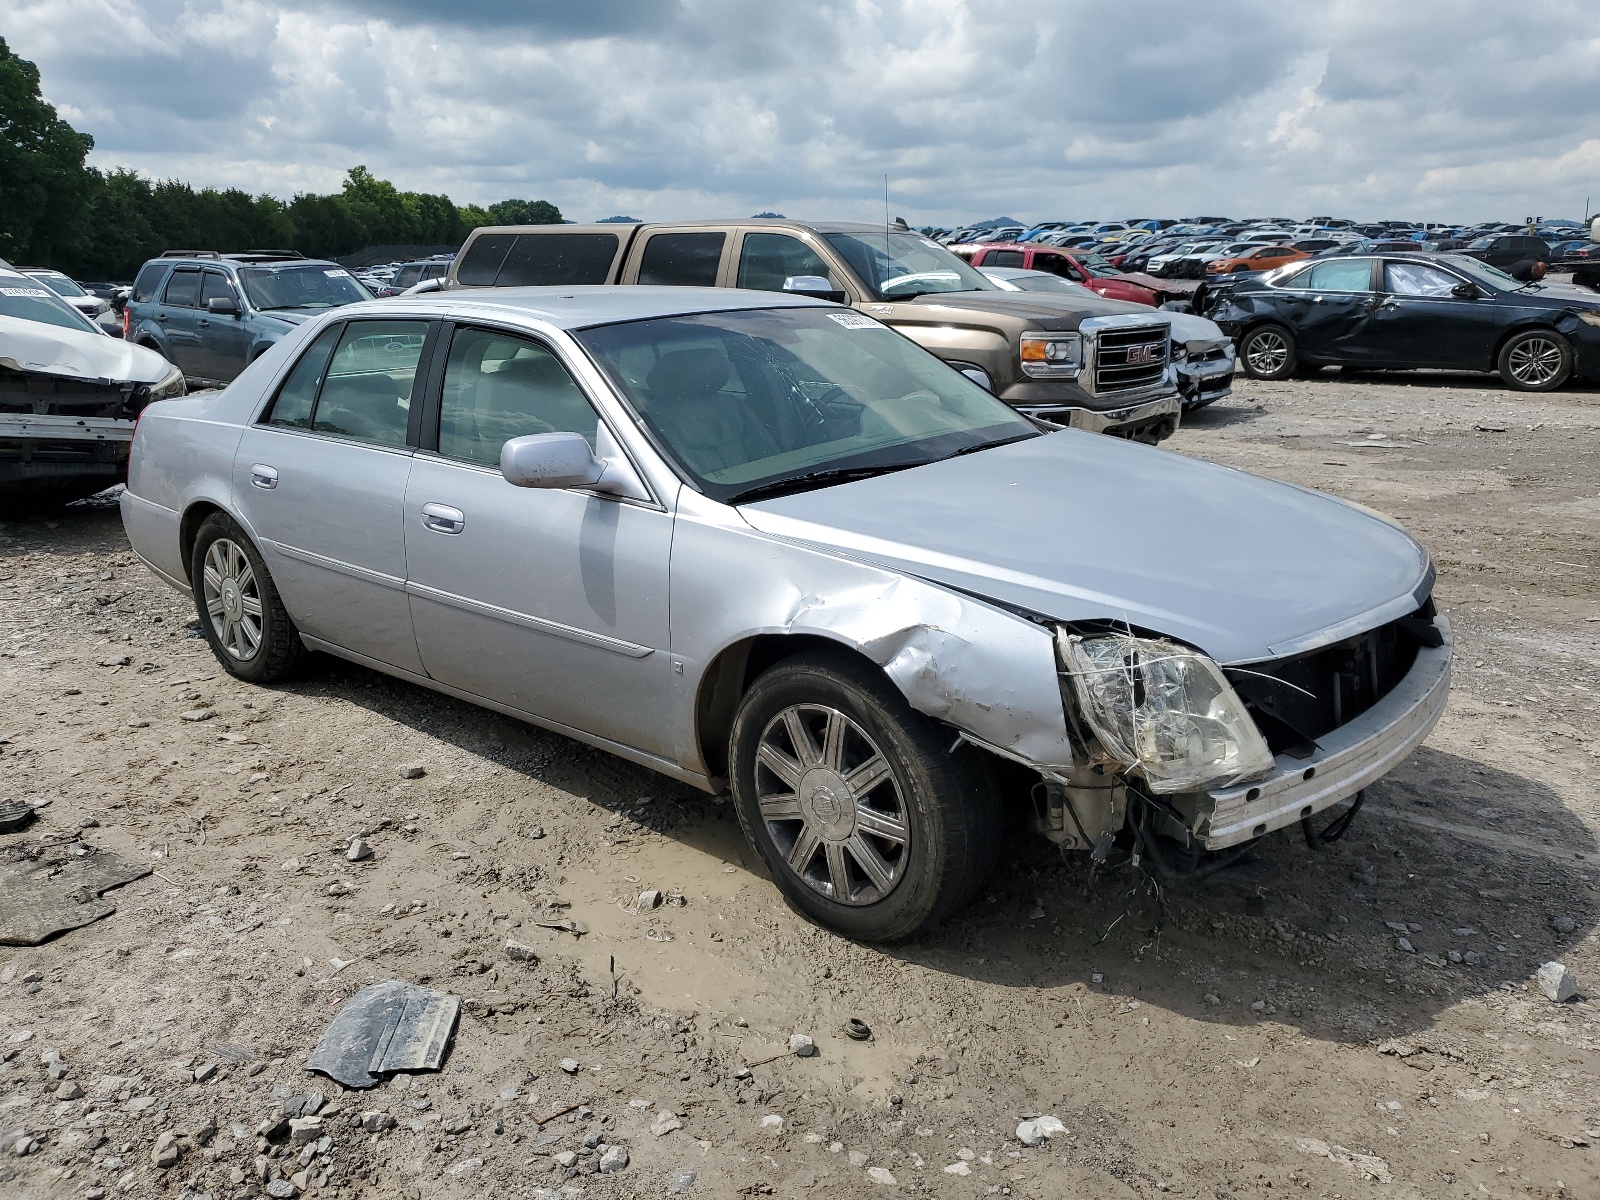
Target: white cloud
x,y
697,108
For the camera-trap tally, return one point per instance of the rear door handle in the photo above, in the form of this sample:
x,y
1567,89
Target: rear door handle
x,y
202,324
264,477
441,518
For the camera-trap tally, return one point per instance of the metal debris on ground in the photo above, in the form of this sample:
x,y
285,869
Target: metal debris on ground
x,y
388,1027
42,897
857,1030
14,815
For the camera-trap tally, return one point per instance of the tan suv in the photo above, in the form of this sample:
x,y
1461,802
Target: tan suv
x,y
1040,353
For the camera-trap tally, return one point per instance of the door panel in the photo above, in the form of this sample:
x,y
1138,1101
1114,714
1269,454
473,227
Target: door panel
x,y
1419,323
221,341
322,481
551,601
333,535
1330,309
548,600
179,318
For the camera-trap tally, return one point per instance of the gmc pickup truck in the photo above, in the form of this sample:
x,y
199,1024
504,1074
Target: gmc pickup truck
x,y
1103,373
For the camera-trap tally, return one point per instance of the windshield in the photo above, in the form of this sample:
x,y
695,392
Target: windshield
x,y
1483,272
761,401
25,298
899,266
311,288
60,285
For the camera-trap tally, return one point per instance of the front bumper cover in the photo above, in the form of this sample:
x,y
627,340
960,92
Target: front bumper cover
x,y
1348,759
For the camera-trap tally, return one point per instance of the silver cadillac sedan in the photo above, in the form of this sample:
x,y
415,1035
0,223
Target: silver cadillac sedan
x,y
767,544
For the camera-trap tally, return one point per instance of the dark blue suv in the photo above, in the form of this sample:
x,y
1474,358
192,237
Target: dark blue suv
x,y
214,314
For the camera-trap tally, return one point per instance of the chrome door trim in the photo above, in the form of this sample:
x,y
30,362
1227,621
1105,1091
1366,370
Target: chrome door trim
x,y
334,564
527,621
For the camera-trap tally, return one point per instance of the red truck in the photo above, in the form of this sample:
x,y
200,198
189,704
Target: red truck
x,y
1065,264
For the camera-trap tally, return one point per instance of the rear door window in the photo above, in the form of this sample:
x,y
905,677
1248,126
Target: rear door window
x,y
548,260
766,260
1003,258
682,259
183,289
298,395
367,392
1339,275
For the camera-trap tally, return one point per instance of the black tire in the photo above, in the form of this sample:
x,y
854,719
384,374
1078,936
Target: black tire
x,y
1535,360
1268,352
947,805
274,648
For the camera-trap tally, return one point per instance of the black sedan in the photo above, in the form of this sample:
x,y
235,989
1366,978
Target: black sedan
x,y
1389,311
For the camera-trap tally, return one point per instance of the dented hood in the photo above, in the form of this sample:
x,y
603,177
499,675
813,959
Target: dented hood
x,y
56,350
1079,526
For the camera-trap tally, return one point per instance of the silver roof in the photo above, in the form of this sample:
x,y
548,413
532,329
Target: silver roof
x,y
581,306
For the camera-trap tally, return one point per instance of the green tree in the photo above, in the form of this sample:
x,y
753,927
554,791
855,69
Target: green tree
x,y
44,184
524,212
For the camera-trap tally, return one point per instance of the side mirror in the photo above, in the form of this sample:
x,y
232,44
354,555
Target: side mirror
x,y
222,306
813,285
550,460
564,460
1465,291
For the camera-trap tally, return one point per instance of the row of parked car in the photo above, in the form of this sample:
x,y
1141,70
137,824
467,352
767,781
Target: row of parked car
x,y
1123,351
1196,248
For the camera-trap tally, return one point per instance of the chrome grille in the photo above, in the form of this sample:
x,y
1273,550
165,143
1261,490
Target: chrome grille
x,y
1126,359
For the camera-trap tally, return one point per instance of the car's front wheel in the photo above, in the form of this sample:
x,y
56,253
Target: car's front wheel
x,y
868,822
241,614
1536,360
1268,352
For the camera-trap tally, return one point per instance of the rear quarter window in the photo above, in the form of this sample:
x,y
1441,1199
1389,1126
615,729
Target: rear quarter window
x,y
148,282
555,259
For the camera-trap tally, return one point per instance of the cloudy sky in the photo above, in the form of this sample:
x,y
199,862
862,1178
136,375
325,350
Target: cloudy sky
x,y
1424,109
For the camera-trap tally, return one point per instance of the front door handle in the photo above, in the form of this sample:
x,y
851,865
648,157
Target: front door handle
x,y
264,477
441,518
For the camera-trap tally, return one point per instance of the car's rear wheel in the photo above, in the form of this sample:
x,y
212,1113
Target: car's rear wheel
x,y
1268,352
868,822
1536,360
241,614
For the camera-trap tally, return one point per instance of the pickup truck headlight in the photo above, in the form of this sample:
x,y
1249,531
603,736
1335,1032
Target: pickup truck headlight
x,y
1165,710
1051,355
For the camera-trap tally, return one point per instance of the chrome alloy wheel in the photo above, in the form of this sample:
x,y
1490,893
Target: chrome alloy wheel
x,y
832,804
1534,362
1267,352
233,599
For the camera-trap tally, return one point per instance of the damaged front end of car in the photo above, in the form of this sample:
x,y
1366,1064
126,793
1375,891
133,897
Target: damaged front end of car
x,y
64,436
1183,763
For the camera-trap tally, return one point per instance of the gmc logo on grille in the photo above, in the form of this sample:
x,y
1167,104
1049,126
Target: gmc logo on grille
x,y
1144,354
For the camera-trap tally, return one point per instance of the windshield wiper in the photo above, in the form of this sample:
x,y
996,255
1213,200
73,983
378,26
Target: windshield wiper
x,y
816,479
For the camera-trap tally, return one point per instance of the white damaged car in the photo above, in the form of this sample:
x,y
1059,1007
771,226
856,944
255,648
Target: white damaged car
x,y
69,396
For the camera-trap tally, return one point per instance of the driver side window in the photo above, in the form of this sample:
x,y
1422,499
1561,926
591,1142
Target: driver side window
x,y
1415,279
498,387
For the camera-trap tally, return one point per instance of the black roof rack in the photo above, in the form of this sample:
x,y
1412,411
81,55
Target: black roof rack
x,y
264,255
190,254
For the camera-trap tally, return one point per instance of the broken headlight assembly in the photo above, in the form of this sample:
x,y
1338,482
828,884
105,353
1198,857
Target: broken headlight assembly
x,y
1164,710
1589,316
1051,355
170,387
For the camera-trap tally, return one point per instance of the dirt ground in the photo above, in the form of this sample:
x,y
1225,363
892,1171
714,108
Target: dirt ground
x,y
1273,1037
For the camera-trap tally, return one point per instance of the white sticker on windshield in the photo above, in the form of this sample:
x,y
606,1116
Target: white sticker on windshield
x,y
931,242
15,291
336,272
855,321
